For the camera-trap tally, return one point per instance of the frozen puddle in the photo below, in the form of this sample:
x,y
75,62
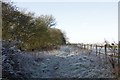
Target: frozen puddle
x,y
71,62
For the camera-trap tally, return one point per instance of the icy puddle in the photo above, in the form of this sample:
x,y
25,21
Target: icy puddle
x,y
68,62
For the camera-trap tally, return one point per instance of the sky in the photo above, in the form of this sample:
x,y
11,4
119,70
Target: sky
x,y
83,22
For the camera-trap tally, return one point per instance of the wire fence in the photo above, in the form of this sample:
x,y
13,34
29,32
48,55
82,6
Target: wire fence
x,y
111,53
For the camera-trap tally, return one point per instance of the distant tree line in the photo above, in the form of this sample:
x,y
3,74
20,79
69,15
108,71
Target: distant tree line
x,y
28,31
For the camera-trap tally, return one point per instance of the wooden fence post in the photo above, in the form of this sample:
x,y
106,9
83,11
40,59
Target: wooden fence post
x,y
91,46
96,49
105,49
105,52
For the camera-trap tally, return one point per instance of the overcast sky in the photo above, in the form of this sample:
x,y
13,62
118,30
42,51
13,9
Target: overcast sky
x,y
87,22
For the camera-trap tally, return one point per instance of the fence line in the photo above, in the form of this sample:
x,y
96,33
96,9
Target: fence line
x,y
113,58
